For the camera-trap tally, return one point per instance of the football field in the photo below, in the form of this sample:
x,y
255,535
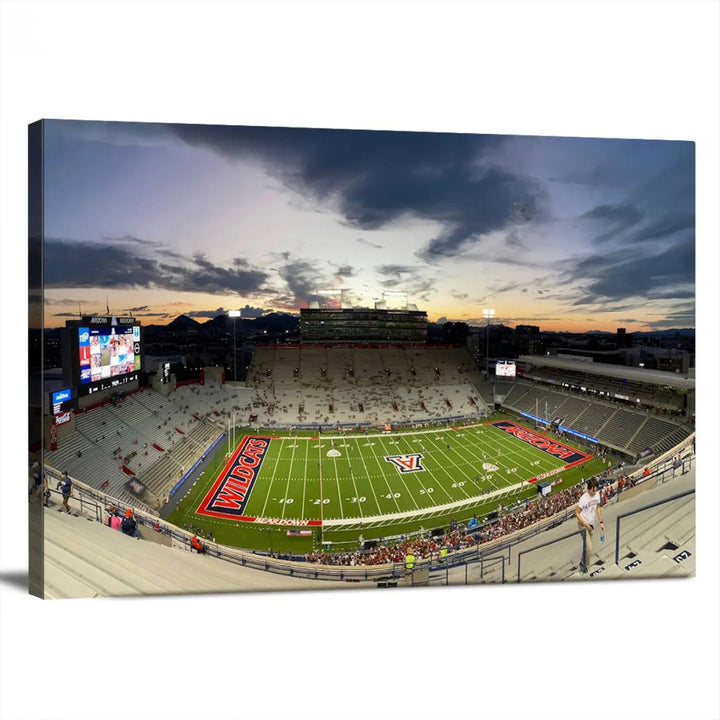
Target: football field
x,y
332,485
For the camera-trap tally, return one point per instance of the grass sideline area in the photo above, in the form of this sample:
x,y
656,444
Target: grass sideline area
x,y
298,492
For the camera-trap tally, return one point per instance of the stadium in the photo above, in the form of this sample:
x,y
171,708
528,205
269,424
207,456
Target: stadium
x,y
361,453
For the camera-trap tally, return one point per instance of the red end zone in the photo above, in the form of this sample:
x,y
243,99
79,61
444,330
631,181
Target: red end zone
x,y
541,442
229,494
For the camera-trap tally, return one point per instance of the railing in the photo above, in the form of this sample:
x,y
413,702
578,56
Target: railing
x,y
87,506
646,507
582,532
443,567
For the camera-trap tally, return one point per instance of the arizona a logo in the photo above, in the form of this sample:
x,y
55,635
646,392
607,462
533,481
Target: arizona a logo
x,y
406,463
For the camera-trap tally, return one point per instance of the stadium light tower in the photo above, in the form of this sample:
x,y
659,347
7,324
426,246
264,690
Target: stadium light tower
x,y
233,314
488,314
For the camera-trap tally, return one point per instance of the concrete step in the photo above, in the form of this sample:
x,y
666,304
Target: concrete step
x,y
654,538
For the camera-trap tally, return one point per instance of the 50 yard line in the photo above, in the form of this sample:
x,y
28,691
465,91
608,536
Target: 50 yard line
x,y
402,479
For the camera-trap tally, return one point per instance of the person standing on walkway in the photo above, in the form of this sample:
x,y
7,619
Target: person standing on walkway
x,y
65,487
588,506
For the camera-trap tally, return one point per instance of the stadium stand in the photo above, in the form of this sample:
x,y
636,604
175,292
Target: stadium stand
x,y
628,431
87,559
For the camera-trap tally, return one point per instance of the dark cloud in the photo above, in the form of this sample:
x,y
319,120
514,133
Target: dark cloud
x,y
342,271
665,227
64,301
617,221
681,317
612,220
210,314
302,279
377,177
416,282
118,265
129,239
142,308
621,214
252,312
668,273
506,288
164,252
396,271
362,241
151,314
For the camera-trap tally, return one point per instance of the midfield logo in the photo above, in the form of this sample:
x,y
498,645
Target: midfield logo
x,y
406,463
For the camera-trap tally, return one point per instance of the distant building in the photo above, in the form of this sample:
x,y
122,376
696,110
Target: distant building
x,y
622,338
333,325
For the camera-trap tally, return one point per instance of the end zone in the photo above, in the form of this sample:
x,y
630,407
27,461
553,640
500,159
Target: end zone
x,y
230,492
571,456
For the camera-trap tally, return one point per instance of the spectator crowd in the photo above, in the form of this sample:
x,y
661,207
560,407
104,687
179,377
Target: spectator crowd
x,y
460,538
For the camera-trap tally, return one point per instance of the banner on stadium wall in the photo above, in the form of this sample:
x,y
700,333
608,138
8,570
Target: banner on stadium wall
x,y
549,473
53,434
564,428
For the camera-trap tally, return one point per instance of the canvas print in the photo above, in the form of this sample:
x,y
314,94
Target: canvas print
x,y
272,358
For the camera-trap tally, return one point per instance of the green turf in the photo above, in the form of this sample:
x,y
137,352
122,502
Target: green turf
x,y
367,495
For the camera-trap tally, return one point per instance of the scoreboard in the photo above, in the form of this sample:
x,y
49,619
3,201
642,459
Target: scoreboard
x,y
505,368
101,352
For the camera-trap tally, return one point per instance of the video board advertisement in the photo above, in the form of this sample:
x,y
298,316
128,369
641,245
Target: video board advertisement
x,y
505,368
107,352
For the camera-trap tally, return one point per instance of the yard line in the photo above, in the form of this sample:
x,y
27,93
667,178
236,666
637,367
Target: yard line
x,y
337,480
450,479
382,472
467,448
510,450
272,480
287,486
507,444
320,478
302,511
357,492
494,460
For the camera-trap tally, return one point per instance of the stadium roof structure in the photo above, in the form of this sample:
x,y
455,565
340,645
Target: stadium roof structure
x,y
623,372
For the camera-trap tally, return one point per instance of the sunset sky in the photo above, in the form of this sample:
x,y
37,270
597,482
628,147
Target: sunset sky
x,y
565,233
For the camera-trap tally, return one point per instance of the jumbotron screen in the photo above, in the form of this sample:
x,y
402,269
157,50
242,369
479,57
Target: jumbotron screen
x,y
107,352
505,368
